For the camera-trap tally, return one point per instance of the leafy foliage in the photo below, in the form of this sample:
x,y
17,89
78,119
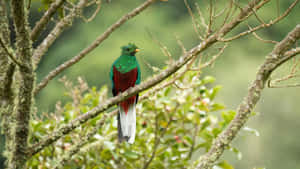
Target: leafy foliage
x,y
173,124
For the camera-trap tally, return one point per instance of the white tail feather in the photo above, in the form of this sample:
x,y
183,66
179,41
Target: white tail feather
x,y
128,123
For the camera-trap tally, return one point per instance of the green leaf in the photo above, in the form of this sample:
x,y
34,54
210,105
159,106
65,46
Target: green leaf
x,y
131,154
208,79
228,116
237,152
225,165
215,91
217,107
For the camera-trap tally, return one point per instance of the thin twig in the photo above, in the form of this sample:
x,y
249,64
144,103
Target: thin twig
x,y
201,16
264,40
212,60
257,17
228,13
194,21
56,31
284,86
208,30
262,25
162,47
179,42
41,24
98,3
292,74
261,39
92,46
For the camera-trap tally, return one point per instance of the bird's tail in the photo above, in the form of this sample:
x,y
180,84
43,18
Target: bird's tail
x,y
127,120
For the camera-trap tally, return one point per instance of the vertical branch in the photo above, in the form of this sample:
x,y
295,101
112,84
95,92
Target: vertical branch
x,y
6,77
26,81
209,29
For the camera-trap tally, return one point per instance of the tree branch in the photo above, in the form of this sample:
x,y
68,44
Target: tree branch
x,y
92,46
7,94
41,24
57,30
10,53
276,20
143,86
273,60
26,81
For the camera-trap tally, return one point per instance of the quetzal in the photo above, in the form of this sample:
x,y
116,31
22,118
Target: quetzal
x,y
125,73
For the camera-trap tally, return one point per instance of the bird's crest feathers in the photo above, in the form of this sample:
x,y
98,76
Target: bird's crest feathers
x,y
129,49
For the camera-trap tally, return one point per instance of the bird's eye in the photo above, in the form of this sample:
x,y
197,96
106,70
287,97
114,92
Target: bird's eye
x,y
127,49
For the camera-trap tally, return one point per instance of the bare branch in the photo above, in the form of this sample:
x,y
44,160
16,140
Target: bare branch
x,y
92,46
208,31
196,26
179,42
284,86
98,3
162,47
41,24
292,74
228,12
273,60
201,17
257,17
263,40
57,30
143,86
262,25
214,58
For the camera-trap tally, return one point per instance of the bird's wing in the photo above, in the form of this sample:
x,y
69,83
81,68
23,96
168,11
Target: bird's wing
x,y
111,75
138,79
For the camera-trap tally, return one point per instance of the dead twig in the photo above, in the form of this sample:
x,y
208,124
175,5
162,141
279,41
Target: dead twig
x,y
196,25
98,4
271,22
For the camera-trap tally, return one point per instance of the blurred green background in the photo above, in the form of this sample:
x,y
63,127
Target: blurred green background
x,y
278,121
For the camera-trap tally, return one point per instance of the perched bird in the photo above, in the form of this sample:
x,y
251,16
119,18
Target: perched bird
x,y
125,73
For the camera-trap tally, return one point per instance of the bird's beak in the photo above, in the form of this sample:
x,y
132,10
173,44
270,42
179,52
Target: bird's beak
x,y
136,50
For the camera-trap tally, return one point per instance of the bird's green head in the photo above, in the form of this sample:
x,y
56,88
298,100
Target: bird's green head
x,y
129,49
